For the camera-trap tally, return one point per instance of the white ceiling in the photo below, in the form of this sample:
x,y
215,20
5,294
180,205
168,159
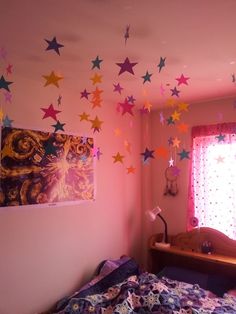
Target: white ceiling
x,y
197,38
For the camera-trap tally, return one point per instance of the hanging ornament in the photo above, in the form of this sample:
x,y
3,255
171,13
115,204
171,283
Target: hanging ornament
x,y
171,176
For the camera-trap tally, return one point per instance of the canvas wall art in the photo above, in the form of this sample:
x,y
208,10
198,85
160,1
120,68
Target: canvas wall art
x,y
45,168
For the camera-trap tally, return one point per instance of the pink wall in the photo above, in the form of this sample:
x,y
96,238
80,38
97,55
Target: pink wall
x,y
175,208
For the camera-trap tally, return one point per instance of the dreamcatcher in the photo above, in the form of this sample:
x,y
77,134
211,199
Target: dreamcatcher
x,y
171,176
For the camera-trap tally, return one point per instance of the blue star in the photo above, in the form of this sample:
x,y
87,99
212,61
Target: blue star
x,y
49,148
4,84
147,77
170,121
161,63
53,45
220,137
7,122
58,126
184,154
96,63
148,154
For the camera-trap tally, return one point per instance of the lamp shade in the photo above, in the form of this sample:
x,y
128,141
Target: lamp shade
x,y
152,214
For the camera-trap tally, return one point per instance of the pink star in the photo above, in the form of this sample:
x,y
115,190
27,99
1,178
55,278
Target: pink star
x,y
50,112
127,107
126,66
117,88
182,80
8,96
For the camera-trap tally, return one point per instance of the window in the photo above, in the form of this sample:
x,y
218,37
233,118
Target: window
x,y
212,188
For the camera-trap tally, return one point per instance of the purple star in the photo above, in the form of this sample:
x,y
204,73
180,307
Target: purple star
x,y
170,141
54,45
131,99
84,94
175,171
175,92
147,154
117,88
126,66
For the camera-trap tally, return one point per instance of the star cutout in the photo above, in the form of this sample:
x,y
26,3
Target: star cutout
x,y
9,69
97,93
126,66
183,106
161,63
8,96
176,115
161,151
146,77
117,88
183,128
50,112
96,63
170,121
58,126
175,171
182,80
176,142
52,79
130,169
59,100
84,116
175,92
53,45
220,159
126,35
220,137
118,158
96,79
131,99
126,107
184,154
171,162
84,94
147,105
170,141
4,84
147,154
7,122
96,124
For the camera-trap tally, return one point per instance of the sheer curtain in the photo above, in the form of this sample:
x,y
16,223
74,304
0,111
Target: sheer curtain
x,y
212,184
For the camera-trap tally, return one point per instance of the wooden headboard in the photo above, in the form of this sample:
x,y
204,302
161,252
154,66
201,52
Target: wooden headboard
x,y
185,251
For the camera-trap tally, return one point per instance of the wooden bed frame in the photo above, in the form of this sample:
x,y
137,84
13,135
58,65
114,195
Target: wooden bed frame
x,y
185,251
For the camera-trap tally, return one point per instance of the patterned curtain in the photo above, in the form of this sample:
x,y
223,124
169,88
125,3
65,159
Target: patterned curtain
x,y
212,184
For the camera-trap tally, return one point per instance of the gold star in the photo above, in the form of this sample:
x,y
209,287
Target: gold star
x,y
118,157
176,142
183,106
183,128
96,79
176,115
84,116
130,169
52,79
96,124
117,132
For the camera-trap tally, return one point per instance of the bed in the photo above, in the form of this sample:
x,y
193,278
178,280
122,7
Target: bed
x,y
121,287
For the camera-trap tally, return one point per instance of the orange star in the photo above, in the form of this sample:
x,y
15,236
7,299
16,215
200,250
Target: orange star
x,y
176,115
161,151
130,169
96,124
176,142
84,116
97,92
183,106
118,157
183,128
170,102
96,79
96,102
52,79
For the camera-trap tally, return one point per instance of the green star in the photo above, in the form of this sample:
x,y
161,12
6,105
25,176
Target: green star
x,y
147,77
184,154
96,63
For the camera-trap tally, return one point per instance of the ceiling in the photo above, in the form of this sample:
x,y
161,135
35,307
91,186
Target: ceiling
x,y
196,38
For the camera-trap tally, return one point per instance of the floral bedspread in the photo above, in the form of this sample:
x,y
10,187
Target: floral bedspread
x,y
146,293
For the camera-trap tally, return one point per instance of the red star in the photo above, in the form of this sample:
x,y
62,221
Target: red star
x,y
182,80
50,112
127,107
126,66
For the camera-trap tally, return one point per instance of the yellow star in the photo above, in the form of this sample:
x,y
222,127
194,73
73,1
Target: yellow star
x,y
96,124
117,132
96,79
52,79
176,142
118,157
84,116
147,105
130,169
176,115
183,128
183,106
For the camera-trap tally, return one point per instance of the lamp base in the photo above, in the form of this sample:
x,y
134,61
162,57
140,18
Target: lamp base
x,y
162,244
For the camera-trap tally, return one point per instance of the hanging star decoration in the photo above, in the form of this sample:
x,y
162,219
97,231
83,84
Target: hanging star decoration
x,y
4,84
176,142
130,169
170,102
220,137
117,88
52,79
170,141
161,63
147,105
59,126
161,151
182,80
126,35
175,171
147,154
7,122
126,66
84,116
176,115
96,124
131,99
96,78
126,107
84,94
183,127
50,112
183,106
175,92
118,158
8,97
184,154
96,98
170,121
59,100
171,162
147,77
9,69
54,45
96,63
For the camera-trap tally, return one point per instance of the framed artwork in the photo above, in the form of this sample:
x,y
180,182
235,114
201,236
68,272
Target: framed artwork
x,y
45,168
